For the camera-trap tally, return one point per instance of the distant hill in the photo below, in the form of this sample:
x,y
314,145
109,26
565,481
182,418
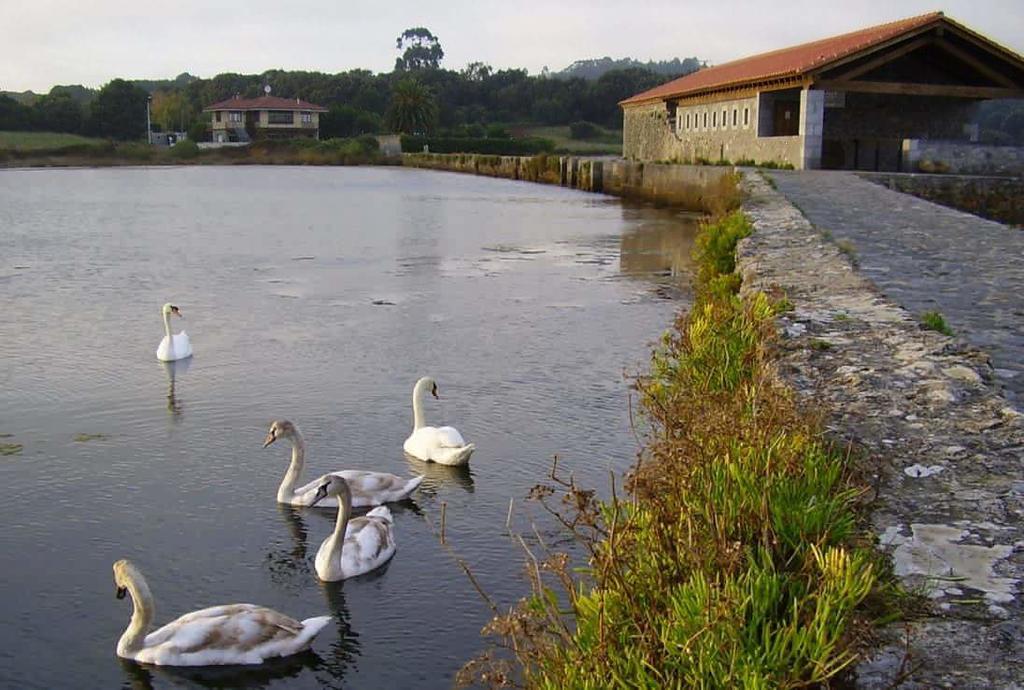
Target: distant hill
x,y
23,97
154,85
595,67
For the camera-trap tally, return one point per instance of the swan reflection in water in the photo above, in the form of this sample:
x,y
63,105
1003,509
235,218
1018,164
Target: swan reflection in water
x,y
173,370
147,677
436,476
291,567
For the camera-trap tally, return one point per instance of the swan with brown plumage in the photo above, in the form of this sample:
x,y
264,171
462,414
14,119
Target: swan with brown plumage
x,y
215,636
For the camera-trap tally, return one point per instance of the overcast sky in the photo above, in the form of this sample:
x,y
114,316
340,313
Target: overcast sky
x,y
90,42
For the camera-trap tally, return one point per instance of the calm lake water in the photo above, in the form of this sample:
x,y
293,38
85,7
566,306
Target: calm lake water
x,y
318,295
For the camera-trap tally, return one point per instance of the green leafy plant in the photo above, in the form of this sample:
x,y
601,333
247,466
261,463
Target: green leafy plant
x,y
934,321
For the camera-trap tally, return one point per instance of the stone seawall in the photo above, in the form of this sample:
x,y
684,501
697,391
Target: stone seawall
x,y
996,198
943,451
689,186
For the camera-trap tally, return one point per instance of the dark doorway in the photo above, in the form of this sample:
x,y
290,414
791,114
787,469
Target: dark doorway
x,y
787,118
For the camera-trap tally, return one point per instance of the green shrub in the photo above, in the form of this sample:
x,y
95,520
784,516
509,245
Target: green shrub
x,y
198,131
715,248
497,132
368,144
934,321
185,149
502,147
583,130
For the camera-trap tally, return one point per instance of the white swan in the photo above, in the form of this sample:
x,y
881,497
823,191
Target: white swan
x,y
173,347
368,488
443,444
357,545
219,635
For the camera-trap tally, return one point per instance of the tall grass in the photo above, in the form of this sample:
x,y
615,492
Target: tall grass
x,y
732,560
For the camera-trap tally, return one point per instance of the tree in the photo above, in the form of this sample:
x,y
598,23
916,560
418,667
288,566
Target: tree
x,y
413,109
421,50
476,71
14,115
119,111
348,121
171,110
58,112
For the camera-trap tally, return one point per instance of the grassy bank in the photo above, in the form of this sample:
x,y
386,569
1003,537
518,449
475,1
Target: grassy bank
x,y
732,559
606,141
93,152
34,141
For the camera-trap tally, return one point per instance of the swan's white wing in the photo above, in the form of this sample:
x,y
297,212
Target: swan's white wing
x,y
173,348
449,437
182,345
444,445
231,634
369,546
369,543
368,488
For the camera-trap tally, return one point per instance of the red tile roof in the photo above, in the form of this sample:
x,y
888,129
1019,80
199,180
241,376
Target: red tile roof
x,y
787,62
265,103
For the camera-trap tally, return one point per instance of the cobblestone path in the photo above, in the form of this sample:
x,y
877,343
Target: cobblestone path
x,y
927,257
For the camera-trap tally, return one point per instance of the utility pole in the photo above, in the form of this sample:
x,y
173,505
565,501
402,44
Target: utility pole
x,y
149,130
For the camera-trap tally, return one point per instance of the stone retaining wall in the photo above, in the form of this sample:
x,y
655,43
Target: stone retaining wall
x,y
687,186
963,158
944,451
996,198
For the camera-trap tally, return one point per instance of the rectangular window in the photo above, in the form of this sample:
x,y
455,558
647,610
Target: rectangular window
x,y
216,116
725,119
705,119
735,116
746,116
235,116
714,120
307,118
281,117
687,120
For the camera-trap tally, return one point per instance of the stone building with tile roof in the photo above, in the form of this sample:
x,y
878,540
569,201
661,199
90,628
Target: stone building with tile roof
x,y
266,117
852,101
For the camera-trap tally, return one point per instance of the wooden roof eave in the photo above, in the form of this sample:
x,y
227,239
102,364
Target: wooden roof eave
x,y
818,74
773,83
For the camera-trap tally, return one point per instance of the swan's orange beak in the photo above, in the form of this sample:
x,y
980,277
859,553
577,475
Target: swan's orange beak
x,y
269,439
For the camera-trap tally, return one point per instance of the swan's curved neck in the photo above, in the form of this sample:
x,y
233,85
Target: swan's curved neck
x,y
417,406
167,322
338,536
143,610
286,491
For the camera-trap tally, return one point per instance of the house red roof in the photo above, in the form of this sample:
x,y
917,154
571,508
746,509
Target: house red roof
x,y
265,103
787,62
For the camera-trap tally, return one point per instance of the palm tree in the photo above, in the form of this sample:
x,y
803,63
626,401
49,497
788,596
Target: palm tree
x,y
413,109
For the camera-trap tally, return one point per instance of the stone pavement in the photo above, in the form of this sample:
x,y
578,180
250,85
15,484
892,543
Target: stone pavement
x,y
926,257
939,444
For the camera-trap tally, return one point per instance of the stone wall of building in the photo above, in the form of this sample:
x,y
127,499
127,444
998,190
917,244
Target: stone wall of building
x,y
963,158
651,134
996,198
646,134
